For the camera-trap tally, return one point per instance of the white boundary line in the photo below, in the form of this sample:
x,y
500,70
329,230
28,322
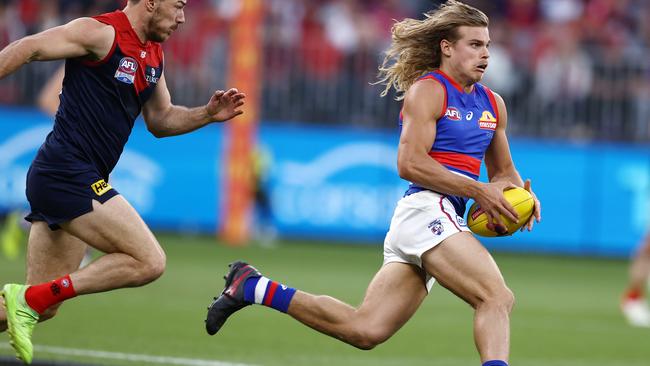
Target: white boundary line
x,y
127,356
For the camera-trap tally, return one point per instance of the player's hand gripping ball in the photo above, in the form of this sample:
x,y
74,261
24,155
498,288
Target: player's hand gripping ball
x,y
520,199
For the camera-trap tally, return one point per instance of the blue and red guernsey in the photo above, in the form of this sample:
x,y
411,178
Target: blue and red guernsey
x,y
464,132
101,100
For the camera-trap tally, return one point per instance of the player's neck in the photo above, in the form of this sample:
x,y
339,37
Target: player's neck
x,y
137,20
466,85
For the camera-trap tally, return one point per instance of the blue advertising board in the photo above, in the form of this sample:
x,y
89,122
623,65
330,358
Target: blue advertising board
x,y
594,197
171,182
342,184
332,183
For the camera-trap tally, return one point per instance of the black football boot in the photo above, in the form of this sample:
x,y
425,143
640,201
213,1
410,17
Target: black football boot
x,y
232,296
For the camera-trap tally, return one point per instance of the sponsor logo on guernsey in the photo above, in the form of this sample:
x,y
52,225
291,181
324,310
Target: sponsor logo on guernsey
x,y
453,114
126,70
100,187
487,121
436,227
152,75
469,115
143,54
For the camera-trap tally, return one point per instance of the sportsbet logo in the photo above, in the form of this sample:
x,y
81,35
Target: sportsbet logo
x,y
100,187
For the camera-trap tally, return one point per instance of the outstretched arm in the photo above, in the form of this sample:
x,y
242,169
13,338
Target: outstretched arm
x,y
165,119
81,37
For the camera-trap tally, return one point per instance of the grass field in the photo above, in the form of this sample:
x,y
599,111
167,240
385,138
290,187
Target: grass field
x,y
566,314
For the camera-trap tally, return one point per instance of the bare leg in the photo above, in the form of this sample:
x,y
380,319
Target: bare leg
x,y
634,304
50,255
640,268
461,264
393,296
134,257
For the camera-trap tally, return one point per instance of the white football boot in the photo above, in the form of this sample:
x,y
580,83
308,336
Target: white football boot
x,y
636,312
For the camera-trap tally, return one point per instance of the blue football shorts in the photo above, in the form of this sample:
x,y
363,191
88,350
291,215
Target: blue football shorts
x,y
57,195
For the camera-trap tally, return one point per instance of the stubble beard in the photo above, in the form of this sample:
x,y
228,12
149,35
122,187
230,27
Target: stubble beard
x,y
154,32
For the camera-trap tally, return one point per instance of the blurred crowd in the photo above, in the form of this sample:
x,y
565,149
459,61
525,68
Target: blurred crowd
x,y
573,68
567,68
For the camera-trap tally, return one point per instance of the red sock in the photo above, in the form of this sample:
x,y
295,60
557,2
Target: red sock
x,y
633,294
40,297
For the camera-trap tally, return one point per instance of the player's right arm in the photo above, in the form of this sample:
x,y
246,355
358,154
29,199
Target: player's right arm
x,y
422,108
83,37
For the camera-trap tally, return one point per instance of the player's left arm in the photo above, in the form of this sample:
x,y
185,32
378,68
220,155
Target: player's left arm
x,y
48,98
165,119
499,164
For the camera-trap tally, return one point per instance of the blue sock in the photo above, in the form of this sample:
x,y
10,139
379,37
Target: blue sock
x,y
261,290
495,363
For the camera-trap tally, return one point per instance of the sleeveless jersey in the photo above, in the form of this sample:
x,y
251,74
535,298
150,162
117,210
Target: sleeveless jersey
x,y
463,133
100,102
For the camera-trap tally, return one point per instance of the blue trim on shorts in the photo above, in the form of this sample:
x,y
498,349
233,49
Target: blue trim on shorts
x,y
459,203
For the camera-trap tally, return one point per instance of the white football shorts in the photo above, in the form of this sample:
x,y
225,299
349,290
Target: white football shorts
x,y
421,221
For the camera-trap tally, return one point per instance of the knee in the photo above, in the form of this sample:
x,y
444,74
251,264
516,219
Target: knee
x,y
508,299
156,267
501,298
367,339
151,269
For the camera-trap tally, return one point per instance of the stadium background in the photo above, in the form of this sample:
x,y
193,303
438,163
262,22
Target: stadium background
x,y
574,77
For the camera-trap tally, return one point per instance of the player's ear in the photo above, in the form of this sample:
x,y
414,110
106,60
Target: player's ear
x,y
445,47
150,5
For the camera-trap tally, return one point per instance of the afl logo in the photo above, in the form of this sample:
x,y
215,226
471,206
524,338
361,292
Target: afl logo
x,y
453,114
126,70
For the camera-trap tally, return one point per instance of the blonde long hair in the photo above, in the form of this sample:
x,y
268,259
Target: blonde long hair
x,y
415,47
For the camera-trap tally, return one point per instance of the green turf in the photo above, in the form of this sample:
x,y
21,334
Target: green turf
x,y
566,312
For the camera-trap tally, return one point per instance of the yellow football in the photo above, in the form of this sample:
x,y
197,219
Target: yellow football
x,y
520,199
